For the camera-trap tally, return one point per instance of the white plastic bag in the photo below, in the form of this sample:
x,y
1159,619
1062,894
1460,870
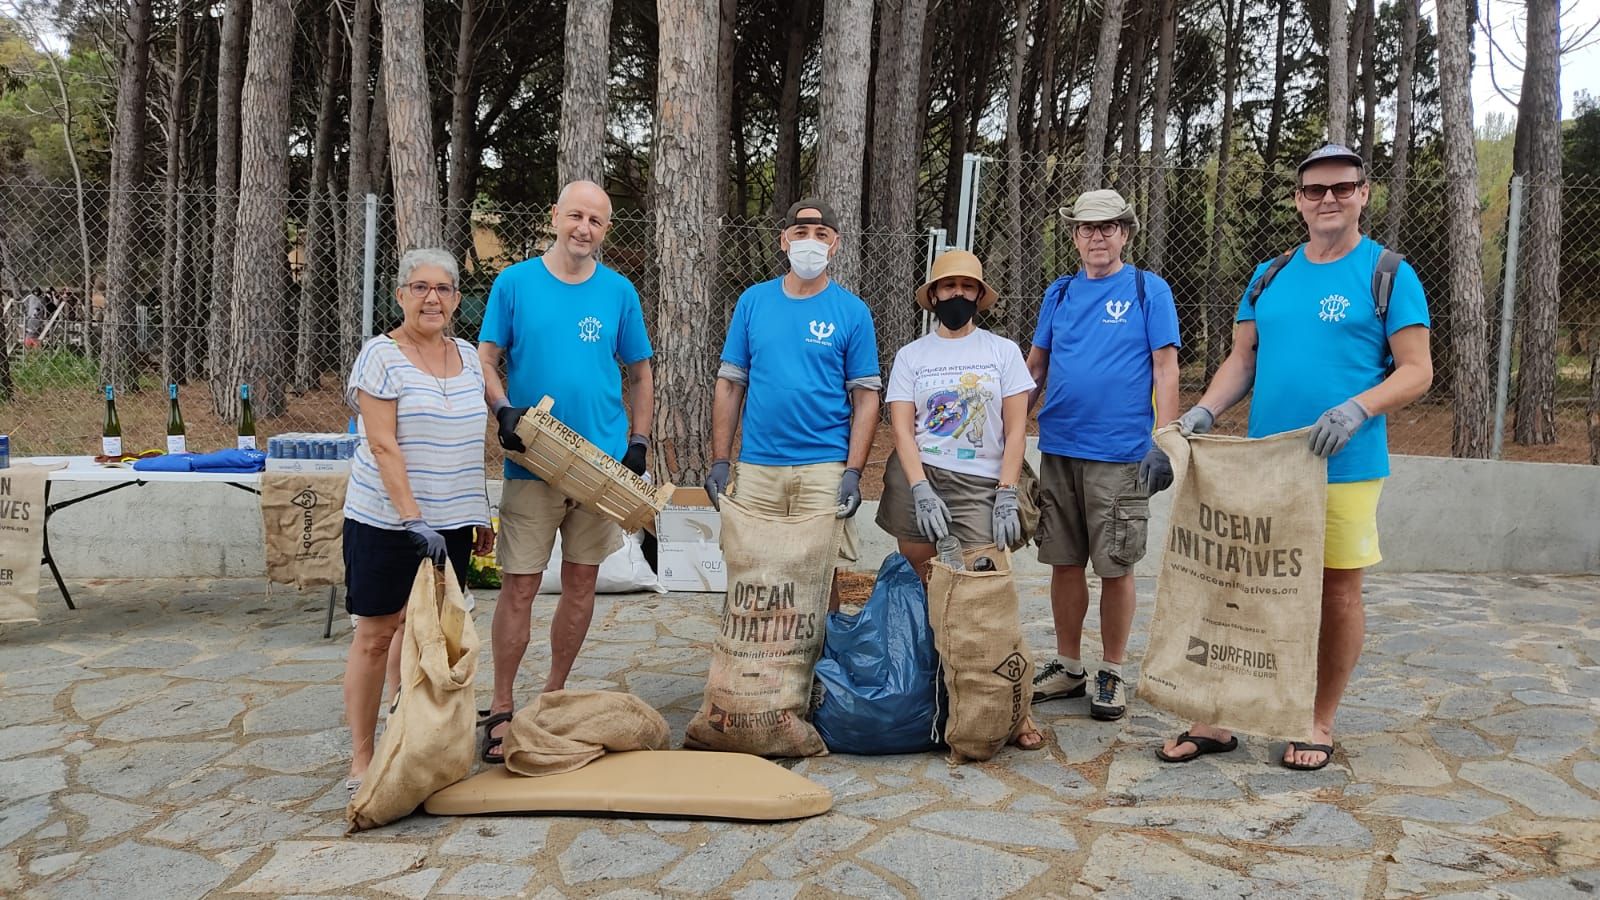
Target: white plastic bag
x,y
623,572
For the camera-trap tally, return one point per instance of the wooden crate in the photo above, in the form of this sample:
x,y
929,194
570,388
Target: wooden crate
x,y
580,470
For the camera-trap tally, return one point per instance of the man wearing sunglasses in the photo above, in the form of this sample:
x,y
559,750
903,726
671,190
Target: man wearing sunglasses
x,y
1327,343
1107,340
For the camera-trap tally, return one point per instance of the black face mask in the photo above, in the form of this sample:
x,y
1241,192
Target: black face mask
x,y
954,313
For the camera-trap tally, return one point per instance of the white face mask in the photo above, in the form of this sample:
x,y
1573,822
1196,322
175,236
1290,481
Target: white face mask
x,y
808,258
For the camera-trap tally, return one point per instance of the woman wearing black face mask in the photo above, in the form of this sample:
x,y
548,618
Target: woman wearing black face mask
x,y
958,404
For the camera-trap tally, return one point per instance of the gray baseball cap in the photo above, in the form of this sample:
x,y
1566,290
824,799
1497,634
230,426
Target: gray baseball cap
x,y
1100,206
1332,153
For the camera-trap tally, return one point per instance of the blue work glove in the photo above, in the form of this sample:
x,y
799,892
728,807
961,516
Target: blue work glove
x,y
1198,420
849,493
638,446
428,543
717,482
933,517
1334,428
507,417
1007,517
1155,471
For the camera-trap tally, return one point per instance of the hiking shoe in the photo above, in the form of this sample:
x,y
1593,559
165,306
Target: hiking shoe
x,y
1109,702
1052,681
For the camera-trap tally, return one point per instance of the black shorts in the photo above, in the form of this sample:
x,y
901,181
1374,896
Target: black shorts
x,y
381,565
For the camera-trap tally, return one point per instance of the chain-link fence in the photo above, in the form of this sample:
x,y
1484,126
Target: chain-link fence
x,y
332,290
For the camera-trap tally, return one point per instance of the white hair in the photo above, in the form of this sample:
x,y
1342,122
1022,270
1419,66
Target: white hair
x,y
428,256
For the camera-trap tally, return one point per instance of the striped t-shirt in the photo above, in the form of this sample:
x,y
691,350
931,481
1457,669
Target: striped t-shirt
x,y
440,435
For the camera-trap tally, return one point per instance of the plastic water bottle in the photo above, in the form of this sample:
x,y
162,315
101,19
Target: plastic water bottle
x,y
950,552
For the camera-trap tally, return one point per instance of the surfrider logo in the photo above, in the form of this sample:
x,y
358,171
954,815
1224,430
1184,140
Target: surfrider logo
x,y
1116,309
820,333
1333,308
589,329
1198,651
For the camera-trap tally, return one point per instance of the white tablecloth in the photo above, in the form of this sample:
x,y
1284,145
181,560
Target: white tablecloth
x,y
85,469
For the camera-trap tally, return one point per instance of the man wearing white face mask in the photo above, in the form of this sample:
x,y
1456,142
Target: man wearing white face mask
x,y
801,357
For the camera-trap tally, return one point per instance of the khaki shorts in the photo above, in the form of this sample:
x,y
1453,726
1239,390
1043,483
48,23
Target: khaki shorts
x,y
970,499
792,490
530,514
1091,511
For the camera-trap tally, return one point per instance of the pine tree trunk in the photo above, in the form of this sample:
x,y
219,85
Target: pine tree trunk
x,y
463,140
173,365
317,277
685,102
1097,119
1133,105
786,165
358,185
581,151
230,81
1011,284
896,151
260,265
1594,396
1220,297
1338,71
416,181
1156,236
1400,173
727,18
1259,222
1541,107
1469,345
125,210
1369,80
841,141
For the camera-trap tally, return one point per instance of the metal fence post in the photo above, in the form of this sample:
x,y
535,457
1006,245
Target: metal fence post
x,y
967,209
369,264
1508,303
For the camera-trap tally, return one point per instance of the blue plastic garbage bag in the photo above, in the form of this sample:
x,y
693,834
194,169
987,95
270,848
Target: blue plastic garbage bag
x,y
879,673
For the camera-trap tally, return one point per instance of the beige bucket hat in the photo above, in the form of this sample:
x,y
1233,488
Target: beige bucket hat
x,y
1100,206
952,263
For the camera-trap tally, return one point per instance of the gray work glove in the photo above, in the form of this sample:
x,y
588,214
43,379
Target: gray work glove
x,y
849,493
1155,471
506,417
716,482
1334,428
428,543
1198,420
1007,518
933,517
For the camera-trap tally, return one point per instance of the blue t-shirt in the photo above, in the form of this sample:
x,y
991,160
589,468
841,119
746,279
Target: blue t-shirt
x,y
1320,343
1098,400
565,340
799,353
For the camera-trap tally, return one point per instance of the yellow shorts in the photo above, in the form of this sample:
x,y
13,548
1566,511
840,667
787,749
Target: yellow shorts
x,y
1352,525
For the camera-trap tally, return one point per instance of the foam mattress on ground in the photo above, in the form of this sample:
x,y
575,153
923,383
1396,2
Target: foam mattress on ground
x,y
677,783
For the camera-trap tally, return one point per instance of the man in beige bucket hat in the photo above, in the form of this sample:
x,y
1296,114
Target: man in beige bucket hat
x,y
1107,340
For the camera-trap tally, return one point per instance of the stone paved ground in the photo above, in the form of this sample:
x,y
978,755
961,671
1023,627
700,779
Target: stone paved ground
x,y
181,739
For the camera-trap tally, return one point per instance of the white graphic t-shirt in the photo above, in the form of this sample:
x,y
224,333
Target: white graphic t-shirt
x,y
956,385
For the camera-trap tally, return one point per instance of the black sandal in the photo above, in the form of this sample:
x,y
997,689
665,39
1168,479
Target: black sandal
x,y
489,741
1305,747
1202,746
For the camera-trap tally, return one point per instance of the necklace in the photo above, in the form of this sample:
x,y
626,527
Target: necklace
x,y
427,370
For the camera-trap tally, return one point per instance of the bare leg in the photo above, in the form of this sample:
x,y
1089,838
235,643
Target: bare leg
x,y
391,674
1344,628
513,616
570,624
1069,603
833,592
363,685
917,553
1116,617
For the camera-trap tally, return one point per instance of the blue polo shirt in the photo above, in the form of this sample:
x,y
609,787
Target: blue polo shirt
x,y
566,340
1098,401
1320,343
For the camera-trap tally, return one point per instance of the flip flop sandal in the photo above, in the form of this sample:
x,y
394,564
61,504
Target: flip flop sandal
x,y
1203,746
493,743
1303,747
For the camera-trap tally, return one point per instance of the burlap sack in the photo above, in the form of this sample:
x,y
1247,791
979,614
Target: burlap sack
x,y
428,744
774,619
21,541
302,518
565,730
1233,641
987,672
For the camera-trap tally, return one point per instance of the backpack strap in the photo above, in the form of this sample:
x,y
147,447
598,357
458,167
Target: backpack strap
x,y
1054,294
1273,268
1138,286
1383,276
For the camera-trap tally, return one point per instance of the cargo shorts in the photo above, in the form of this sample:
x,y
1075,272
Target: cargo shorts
x,y
1091,512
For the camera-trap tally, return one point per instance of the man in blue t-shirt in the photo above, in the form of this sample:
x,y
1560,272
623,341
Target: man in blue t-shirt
x,y
565,322
1107,340
1316,352
801,357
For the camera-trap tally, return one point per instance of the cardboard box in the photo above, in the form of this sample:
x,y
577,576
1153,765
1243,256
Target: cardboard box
x,y
311,466
689,544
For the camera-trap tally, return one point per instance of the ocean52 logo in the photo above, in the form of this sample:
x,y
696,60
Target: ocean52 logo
x,y
1333,308
589,329
1012,668
821,333
1117,310
307,501
1228,656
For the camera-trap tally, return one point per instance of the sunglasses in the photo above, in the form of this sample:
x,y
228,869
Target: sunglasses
x,y
1344,190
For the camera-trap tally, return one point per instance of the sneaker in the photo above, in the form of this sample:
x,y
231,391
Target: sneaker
x,y
1109,701
1052,681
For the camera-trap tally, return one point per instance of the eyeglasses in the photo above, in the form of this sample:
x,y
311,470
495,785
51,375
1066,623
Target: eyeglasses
x,y
1344,190
1106,229
419,290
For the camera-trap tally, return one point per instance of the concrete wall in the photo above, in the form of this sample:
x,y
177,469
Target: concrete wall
x,y
1437,515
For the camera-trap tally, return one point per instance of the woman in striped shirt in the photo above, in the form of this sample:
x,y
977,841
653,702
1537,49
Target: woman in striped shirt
x,y
416,483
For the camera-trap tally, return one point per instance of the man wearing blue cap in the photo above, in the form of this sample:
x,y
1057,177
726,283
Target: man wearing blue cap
x,y
1333,335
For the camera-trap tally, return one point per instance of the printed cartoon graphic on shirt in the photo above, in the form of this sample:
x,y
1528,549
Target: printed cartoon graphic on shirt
x,y
958,408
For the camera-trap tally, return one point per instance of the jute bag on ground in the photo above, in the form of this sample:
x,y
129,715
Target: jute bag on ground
x,y
1233,641
774,619
302,519
21,541
428,743
566,730
987,671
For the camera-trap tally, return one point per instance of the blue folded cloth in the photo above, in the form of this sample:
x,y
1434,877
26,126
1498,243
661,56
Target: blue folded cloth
x,y
217,462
